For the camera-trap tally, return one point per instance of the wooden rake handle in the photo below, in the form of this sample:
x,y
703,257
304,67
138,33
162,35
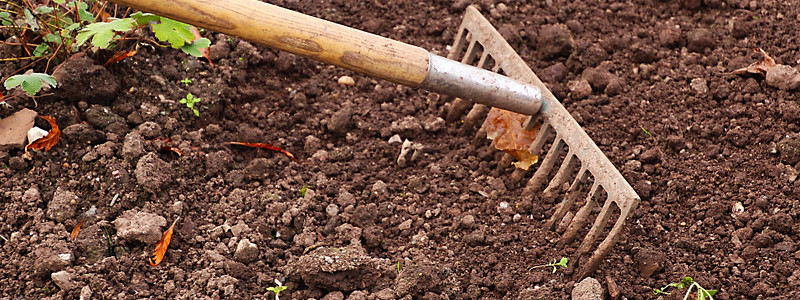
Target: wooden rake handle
x,y
290,31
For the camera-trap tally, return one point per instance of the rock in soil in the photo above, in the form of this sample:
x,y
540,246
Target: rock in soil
x,y
783,77
14,129
700,39
407,127
579,89
588,289
80,79
63,280
100,116
648,261
62,206
789,150
555,41
152,173
246,251
339,269
341,121
137,226
83,134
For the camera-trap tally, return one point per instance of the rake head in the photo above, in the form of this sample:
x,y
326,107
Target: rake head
x,y
578,158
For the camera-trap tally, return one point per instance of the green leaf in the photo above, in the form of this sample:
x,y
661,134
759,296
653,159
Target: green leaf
x,y
5,18
144,18
83,14
30,83
193,49
711,292
175,33
41,49
30,20
59,1
102,33
44,9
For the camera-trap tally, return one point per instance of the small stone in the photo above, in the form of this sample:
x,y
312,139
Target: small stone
x,y
669,36
341,121
433,124
762,240
86,293
346,80
395,139
598,79
63,280
408,127
579,89
789,150
312,144
17,163
245,251
699,86
467,222
648,261
588,289
152,173
31,195
100,116
14,129
613,88
61,207
555,41
337,295
133,146
700,39
651,156
379,188
554,73
359,295
218,162
783,77
138,226
332,210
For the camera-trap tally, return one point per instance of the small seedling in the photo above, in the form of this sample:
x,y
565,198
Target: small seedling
x,y
186,81
31,83
645,131
555,264
303,191
702,293
190,101
277,289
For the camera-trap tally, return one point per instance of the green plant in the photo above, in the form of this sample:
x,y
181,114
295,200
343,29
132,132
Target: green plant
x,y
303,190
277,289
555,264
190,101
702,293
186,81
645,131
30,83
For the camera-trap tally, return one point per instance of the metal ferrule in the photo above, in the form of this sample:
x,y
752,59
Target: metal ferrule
x,y
452,78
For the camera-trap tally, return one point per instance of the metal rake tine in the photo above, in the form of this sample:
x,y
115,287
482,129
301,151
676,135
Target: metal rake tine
x,y
561,175
597,227
579,220
536,182
572,194
608,243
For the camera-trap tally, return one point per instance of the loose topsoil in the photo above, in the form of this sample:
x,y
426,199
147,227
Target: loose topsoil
x,y
712,155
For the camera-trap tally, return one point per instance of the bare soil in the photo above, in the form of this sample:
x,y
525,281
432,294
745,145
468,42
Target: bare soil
x,y
347,221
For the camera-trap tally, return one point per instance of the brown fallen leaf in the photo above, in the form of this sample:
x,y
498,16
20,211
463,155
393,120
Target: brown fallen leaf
x,y
265,146
119,56
74,234
47,141
203,51
505,130
759,67
161,247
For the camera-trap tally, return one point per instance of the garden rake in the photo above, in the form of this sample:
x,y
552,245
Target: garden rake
x,y
519,90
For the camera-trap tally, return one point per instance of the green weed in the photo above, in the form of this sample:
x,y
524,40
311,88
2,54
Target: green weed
x,y
702,293
190,102
555,264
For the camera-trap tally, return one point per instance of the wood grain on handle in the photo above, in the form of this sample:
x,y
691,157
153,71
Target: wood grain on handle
x,y
300,34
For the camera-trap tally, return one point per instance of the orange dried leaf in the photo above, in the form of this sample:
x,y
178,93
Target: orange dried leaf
x,y
505,130
173,149
119,56
49,140
161,247
203,51
74,234
265,146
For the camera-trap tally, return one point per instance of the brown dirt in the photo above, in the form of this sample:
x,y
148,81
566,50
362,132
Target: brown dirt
x,y
365,227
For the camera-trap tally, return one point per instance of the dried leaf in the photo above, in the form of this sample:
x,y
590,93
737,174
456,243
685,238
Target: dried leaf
x,y
48,141
119,56
74,234
173,149
760,67
161,247
204,50
505,130
265,146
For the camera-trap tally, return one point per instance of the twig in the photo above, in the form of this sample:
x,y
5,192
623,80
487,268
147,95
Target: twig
x,y
4,238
